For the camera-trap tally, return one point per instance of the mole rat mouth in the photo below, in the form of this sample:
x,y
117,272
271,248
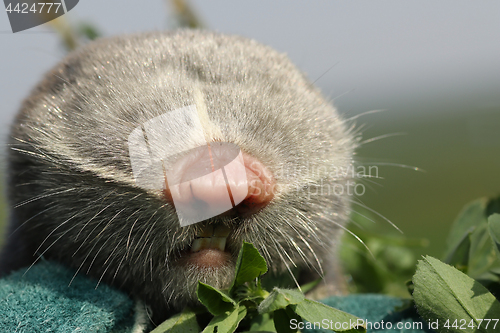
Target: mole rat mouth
x,y
214,181
211,237
208,250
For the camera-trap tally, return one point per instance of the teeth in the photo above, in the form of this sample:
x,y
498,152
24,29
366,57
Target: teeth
x,y
200,243
218,243
211,237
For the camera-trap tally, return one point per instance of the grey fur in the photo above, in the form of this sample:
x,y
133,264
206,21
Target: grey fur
x,y
71,186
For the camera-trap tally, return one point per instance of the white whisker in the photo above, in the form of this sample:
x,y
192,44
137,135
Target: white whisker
x,y
91,219
42,197
380,137
95,257
276,245
378,214
83,263
55,229
48,248
393,164
355,236
31,218
364,114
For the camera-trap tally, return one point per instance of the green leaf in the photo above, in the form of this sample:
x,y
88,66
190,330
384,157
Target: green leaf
x,y
472,216
184,322
262,322
444,293
493,206
250,265
215,300
88,30
283,318
387,265
459,256
472,223
227,322
483,256
280,299
410,286
494,230
313,311
280,280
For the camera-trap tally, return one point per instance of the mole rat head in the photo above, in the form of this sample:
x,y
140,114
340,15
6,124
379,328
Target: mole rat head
x,y
145,161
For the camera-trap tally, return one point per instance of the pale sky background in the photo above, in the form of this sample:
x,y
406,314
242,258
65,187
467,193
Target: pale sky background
x,y
404,56
433,65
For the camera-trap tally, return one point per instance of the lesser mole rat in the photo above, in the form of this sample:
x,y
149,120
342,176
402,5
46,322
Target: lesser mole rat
x,y
110,107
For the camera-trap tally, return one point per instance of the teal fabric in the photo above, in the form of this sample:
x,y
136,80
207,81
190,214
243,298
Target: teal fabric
x,y
382,313
40,300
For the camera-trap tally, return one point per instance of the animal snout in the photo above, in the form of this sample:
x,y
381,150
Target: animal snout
x,y
218,178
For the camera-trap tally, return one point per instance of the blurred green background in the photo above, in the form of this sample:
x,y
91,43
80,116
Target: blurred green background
x,y
459,156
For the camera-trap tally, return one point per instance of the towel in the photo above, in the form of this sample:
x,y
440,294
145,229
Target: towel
x,y
41,299
49,297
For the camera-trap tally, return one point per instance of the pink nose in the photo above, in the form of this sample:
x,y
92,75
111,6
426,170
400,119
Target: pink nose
x,y
211,180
